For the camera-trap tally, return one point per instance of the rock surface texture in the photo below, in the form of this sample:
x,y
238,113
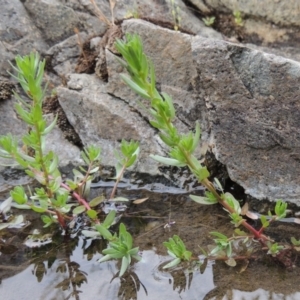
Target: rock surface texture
x,y
276,11
253,108
247,100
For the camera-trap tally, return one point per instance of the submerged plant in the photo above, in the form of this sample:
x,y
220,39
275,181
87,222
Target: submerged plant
x,y
176,248
142,80
120,247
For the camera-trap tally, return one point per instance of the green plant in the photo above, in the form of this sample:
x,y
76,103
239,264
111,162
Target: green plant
x,y
175,10
238,18
53,198
209,21
176,248
119,247
132,12
182,147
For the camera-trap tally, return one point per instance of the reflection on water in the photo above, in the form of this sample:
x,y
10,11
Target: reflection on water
x,y
259,294
71,271
68,268
76,274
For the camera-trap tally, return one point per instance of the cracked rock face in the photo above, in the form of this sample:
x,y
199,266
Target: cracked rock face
x,y
277,11
246,100
253,108
104,120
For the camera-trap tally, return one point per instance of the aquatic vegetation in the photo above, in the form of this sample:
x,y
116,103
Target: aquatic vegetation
x,y
177,249
182,147
120,247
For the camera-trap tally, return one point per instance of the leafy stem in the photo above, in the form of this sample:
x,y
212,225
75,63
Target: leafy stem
x,y
113,192
142,81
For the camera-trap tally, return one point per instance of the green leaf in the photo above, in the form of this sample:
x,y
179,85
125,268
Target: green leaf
x,y
264,221
133,251
197,136
218,184
19,195
203,200
124,265
50,127
135,87
79,209
202,173
240,232
54,164
219,235
92,214
119,199
47,220
21,206
104,258
168,161
109,219
38,209
280,209
232,202
96,201
295,242
113,253
173,263
104,232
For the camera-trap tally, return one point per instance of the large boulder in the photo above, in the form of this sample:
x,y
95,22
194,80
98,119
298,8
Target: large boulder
x,y
245,99
252,101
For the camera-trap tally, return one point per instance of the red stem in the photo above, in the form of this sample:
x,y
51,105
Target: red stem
x,y
76,195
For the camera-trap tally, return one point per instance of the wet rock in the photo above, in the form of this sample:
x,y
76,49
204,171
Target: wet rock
x,y
252,101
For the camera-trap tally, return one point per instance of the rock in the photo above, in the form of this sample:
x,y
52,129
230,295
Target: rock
x,y
18,34
103,120
6,89
55,141
66,151
174,70
253,112
284,12
56,21
173,65
245,99
64,55
201,6
159,13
